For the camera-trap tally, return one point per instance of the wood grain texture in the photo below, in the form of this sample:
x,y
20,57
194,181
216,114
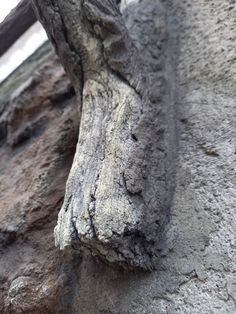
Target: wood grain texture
x,y
118,191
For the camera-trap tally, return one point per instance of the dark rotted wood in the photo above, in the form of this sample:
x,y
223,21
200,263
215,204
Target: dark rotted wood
x,y
15,24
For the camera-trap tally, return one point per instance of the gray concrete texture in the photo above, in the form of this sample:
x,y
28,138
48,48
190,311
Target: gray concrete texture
x,y
196,272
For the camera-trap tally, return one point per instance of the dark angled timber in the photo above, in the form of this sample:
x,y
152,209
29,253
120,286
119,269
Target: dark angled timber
x,y
15,24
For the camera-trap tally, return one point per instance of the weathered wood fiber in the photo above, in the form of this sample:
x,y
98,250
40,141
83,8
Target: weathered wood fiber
x,y
119,188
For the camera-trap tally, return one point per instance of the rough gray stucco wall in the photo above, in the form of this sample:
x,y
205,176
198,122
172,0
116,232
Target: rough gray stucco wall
x,y
196,272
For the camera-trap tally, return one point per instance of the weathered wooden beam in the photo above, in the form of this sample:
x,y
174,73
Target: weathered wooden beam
x,y
15,24
118,192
